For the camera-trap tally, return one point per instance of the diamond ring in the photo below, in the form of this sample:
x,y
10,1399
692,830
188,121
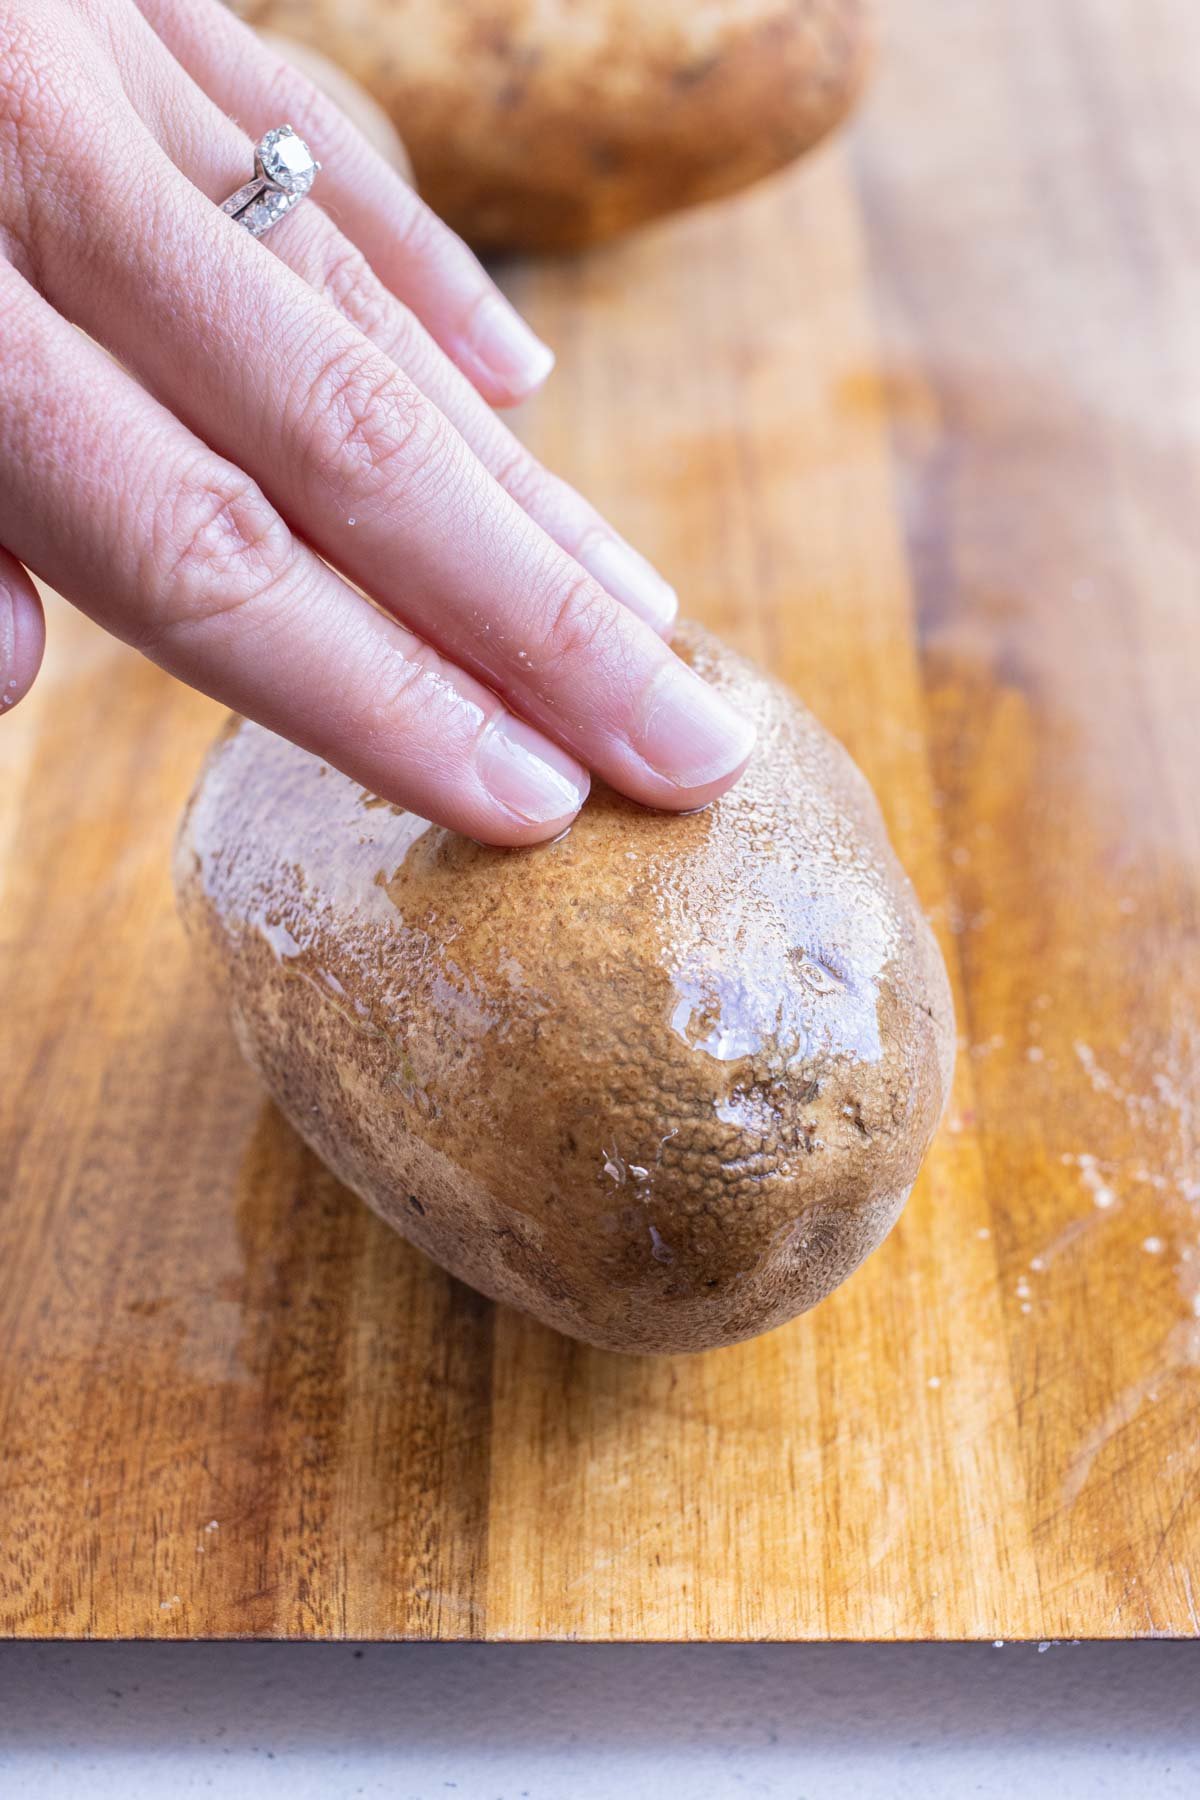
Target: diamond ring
x,y
284,168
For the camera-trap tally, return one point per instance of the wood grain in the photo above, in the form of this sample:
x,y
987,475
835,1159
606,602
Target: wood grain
x,y
918,426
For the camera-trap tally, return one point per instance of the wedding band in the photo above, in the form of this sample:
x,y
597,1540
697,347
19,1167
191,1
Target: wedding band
x,y
284,168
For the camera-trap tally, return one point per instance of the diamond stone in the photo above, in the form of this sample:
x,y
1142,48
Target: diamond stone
x,y
286,160
264,211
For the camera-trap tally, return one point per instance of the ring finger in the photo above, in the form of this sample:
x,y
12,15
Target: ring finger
x,y
428,285
419,257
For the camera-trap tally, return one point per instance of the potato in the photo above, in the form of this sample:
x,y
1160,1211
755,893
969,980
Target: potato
x,y
662,1083
550,125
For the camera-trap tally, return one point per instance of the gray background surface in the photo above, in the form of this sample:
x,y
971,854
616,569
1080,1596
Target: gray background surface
x,y
580,1722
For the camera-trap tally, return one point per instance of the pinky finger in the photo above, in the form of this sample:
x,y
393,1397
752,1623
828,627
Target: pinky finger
x,y
22,632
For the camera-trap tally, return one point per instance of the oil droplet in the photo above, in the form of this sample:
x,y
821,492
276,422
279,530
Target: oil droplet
x,y
659,1251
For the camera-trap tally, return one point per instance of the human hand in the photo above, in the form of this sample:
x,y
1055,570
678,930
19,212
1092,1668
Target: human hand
x,y
289,417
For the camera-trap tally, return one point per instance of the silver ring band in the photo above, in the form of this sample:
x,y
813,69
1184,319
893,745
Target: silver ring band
x,y
284,170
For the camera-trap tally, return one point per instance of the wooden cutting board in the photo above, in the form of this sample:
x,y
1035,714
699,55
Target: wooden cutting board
x,y
919,426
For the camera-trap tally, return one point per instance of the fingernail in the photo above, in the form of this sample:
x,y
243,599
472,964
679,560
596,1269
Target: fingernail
x,y
629,578
8,632
19,655
529,776
689,734
506,346
8,651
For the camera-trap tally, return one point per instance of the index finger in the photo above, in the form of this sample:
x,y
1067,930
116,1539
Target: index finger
x,y
115,503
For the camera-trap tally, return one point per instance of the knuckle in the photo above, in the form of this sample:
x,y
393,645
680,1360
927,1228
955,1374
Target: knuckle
x,y
50,73
215,547
413,696
521,475
363,425
417,232
347,280
37,77
54,77
398,697
30,59
581,617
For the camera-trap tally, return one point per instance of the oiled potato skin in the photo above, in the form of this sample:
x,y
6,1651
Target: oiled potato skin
x,y
551,124
663,1083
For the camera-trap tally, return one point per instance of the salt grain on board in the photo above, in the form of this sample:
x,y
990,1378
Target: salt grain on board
x,y
1093,1180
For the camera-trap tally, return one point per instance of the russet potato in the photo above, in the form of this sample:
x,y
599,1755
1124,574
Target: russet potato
x,y
662,1083
550,124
